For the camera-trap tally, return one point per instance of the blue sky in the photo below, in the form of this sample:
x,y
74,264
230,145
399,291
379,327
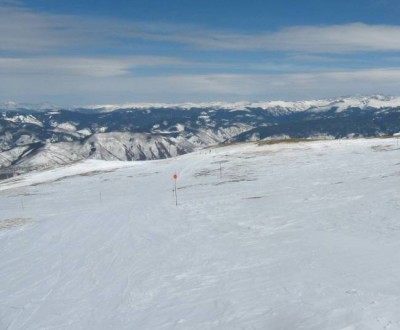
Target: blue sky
x,y
96,51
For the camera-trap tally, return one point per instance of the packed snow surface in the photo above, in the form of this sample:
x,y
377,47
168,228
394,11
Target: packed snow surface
x,y
284,236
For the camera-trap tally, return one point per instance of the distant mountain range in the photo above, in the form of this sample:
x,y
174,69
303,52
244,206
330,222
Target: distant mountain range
x,y
44,135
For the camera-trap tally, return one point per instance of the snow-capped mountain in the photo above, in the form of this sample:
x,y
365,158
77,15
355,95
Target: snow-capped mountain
x,y
44,135
341,103
14,106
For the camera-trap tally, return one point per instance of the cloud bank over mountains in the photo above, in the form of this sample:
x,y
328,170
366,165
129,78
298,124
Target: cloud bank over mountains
x,y
72,59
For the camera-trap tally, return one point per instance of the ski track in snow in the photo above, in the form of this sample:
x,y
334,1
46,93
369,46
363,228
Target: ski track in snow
x,y
286,236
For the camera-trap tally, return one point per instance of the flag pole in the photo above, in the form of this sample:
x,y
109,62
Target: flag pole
x,y
176,195
175,177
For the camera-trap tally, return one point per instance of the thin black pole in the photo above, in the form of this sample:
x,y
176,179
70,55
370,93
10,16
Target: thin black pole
x,y
176,195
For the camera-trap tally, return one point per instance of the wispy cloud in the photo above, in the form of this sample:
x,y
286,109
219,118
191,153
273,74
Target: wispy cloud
x,y
206,87
82,66
10,2
61,58
356,37
25,30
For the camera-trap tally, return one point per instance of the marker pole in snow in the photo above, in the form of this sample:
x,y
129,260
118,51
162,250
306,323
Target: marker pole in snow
x,y
397,135
175,177
220,170
22,205
101,199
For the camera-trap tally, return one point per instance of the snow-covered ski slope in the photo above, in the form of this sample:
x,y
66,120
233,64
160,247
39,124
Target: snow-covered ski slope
x,y
288,236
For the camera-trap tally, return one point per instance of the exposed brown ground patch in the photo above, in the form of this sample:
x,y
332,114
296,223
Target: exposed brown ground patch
x,y
12,223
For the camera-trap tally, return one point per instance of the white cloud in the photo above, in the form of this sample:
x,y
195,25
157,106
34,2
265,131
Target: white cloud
x,y
82,66
179,88
10,2
356,37
22,29
36,74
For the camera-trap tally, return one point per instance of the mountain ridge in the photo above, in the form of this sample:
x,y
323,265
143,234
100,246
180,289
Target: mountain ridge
x,y
38,138
373,100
